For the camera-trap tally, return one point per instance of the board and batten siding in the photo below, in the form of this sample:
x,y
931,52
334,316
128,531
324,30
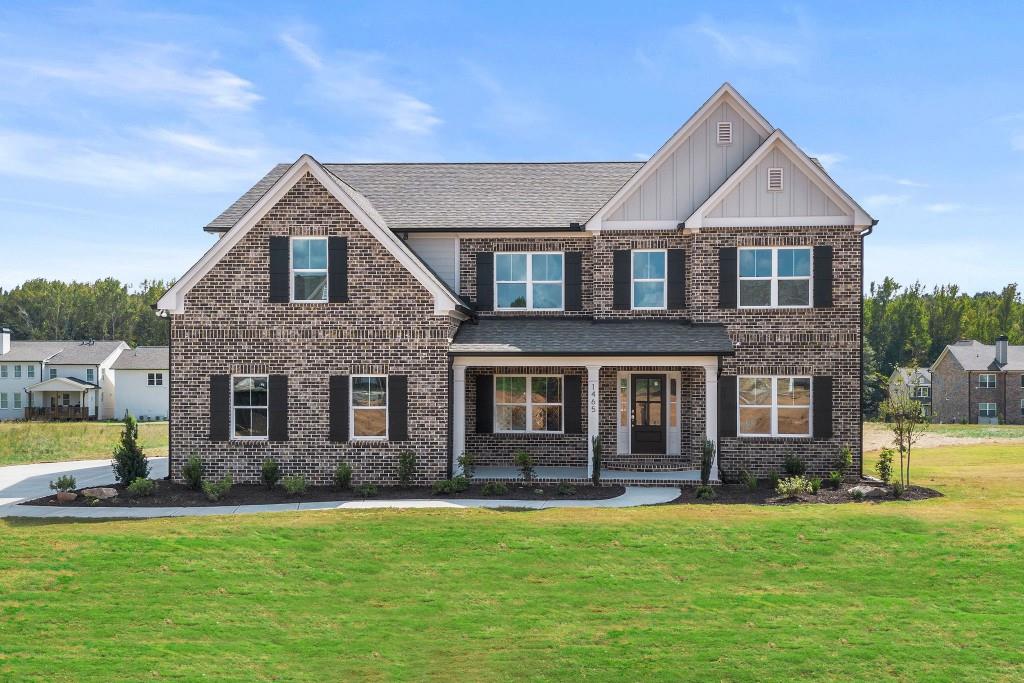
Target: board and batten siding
x,y
441,254
693,171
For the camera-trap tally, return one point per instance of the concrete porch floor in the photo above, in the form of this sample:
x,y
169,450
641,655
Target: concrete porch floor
x,y
579,474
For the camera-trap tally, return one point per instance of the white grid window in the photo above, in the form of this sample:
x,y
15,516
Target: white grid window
x,y
31,371
527,403
529,281
155,379
3,370
53,373
17,399
774,406
369,406
986,410
775,277
987,381
921,392
90,375
3,400
649,284
309,269
249,409
17,371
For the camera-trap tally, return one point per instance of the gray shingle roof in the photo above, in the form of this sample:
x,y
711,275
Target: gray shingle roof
x,y
912,376
33,350
144,358
973,355
582,336
84,352
461,196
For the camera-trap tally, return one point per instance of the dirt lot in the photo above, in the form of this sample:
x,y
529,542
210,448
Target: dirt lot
x,y
877,435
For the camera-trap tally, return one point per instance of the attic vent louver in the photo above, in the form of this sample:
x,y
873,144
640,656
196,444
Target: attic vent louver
x,y
775,180
725,132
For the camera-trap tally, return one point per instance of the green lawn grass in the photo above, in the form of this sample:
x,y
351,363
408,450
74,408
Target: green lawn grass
x,y
22,442
930,590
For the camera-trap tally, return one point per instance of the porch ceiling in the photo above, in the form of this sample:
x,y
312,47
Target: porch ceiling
x,y
587,337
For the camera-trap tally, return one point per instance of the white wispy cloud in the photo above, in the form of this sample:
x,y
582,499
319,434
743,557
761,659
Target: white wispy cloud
x,y
748,47
943,207
828,159
882,200
200,144
907,182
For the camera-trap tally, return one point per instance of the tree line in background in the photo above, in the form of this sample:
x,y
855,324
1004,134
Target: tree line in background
x,y
104,309
909,326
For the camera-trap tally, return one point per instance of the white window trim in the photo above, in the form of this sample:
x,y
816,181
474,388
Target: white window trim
x,y
633,280
31,371
155,379
1022,406
16,400
89,372
982,409
529,405
774,434
292,270
231,401
921,392
17,371
352,410
529,282
53,373
3,370
3,400
774,279
982,385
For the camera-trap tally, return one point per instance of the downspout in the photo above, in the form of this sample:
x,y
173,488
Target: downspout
x,y
860,348
970,411
170,391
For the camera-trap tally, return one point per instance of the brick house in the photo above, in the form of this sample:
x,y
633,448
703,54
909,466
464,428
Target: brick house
x,y
979,383
349,312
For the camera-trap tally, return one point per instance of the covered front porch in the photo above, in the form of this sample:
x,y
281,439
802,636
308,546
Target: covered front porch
x,y
62,398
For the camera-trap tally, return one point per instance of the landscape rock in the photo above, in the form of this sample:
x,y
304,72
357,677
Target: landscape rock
x,y
66,496
101,492
869,491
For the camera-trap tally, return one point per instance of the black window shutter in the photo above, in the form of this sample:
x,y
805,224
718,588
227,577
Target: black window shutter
x,y
484,404
727,274
485,281
676,280
823,276
220,407
337,270
338,407
727,405
277,404
574,281
822,392
621,280
572,413
279,265
398,408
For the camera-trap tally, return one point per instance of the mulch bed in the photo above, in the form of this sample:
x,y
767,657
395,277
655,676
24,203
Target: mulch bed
x,y
766,495
170,494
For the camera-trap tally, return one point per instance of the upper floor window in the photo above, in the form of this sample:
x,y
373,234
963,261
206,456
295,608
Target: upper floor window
x,y
3,370
986,410
776,277
31,370
90,375
369,407
309,269
774,406
53,373
155,379
529,281
921,392
649,281
987,381
17,371
524,403
249,408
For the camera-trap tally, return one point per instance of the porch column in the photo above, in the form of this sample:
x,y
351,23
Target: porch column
x,y
711,411
458,416
593,413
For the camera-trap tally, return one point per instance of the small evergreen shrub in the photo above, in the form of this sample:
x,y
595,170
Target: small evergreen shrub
x,y
883,468
845,461
406,468
794,466
366,490
460,484
835,480
443,487
294,484
495,488
707,459
140,488
705,492
130,462
64,482
857,494
192,471
748,480
815,485
468,463
270,472
524,461
898,489
215,490
773,479
566,489
342,478
791,487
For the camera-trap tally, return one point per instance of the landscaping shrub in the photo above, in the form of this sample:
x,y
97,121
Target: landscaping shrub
x,y
566,489
815,485
773,479
595,477
495,488
794,465
898,489
342,476
193,471
791,487
294,484
845,461
705,492
883,468
748,480
130,462
468,463
524,461
406,468
460,484
366,490
707,459
141,488
857,494
270,471
835,480
215,490
64,482
443,486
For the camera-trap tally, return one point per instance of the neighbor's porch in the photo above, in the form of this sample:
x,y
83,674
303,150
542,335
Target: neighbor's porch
x,y
62,398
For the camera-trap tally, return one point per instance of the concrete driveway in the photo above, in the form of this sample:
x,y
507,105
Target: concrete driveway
x,y
25,482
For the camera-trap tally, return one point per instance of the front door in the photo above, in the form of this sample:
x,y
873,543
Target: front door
x,y
648,429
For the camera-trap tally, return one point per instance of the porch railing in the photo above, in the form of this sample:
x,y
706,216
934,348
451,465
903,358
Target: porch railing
x,y
58,413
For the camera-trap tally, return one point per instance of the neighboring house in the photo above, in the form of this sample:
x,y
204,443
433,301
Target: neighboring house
x,y
142,376
917,382
350,312
979,383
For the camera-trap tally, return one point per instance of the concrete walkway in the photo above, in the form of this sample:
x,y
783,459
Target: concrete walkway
x,y
27,482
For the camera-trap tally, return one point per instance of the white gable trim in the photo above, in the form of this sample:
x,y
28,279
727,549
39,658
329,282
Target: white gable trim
x,y
727,93
858,216
174,300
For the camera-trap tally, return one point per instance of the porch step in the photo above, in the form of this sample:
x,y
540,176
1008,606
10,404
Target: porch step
x,y
647,463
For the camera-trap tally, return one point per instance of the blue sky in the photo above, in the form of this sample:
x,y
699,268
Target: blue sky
x,y
125,127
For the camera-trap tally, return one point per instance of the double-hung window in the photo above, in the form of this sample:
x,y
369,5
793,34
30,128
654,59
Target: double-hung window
x,y
369,407
774,406
31,371
17,399
249,407
649,283
987,381
3,400
921,392
529,281
775,278
155,379
527,403
90,375
3,370
17,371
987,410
53,373
309,268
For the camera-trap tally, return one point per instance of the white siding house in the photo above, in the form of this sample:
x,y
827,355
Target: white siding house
x,y
142,380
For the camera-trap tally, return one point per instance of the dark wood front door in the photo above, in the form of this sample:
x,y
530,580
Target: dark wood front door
x,y
648,429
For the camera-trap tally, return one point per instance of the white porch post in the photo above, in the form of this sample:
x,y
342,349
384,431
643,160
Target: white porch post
x,y
458,416
711,411
593,413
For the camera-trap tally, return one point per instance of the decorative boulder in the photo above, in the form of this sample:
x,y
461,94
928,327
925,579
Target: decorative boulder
x,y
101,492
870,491
66,496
